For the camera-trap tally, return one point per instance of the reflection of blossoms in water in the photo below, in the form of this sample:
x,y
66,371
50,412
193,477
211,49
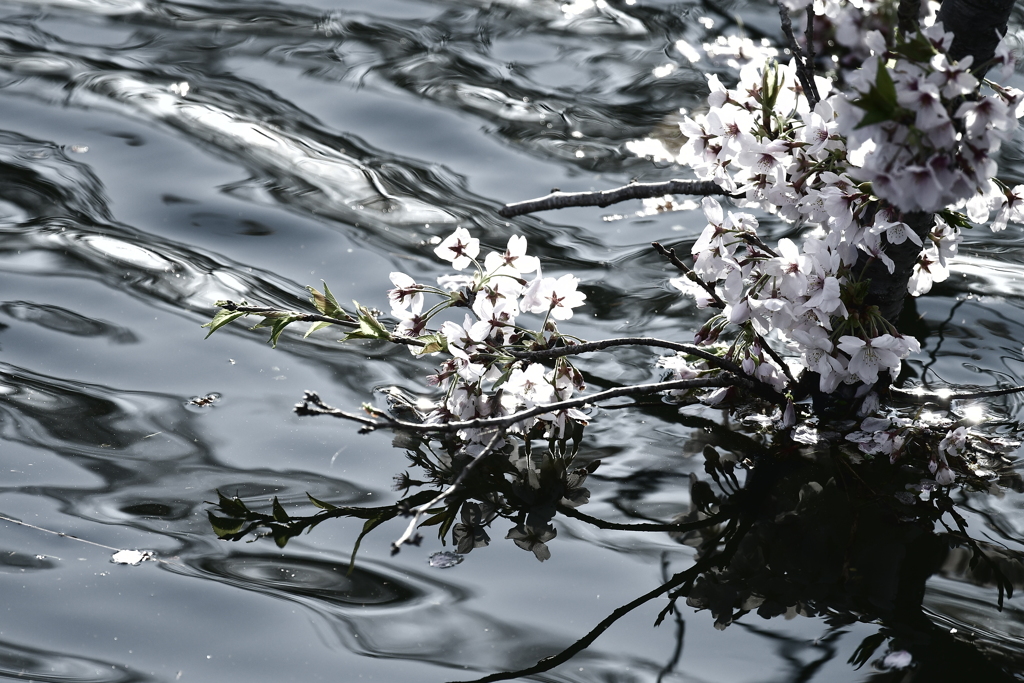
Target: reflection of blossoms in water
x,y
533,539
471,532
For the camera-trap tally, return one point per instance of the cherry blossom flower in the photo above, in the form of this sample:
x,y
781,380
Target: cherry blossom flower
x,y
514,261
406,294
557,296
459,248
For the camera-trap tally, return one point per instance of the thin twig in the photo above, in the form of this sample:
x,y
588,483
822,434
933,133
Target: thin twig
x,y
809,39
419,511
561,200
279,312
917,396
670,254
804,71
312,405
149,555
312,318
766,347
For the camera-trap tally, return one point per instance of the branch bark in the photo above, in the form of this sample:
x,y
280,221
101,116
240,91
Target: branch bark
x,y
562,200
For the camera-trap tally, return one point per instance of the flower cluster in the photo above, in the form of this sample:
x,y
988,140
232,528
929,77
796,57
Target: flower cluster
x,y
921,132
915,135
482,378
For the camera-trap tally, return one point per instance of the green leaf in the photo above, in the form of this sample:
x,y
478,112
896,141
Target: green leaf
x,y
879,103
368,526
233,507
281,534
956,219
224,526
277,327
327,304
279,514
316,326
432,344
321,504
369,326
435,519
918,49
223,317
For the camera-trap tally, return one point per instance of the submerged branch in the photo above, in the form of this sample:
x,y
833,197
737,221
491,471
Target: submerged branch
x,y
562,200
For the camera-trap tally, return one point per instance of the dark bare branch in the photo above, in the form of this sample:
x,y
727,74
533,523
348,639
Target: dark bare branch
x,y
804,70
670,254
312,405
562,200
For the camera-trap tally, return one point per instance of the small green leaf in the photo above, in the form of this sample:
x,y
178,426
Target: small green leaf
x,y
223,317
316,326
232,506
279,514
369,326
281,535
369,526
879,103
338,311
918,49
327,304
435,519
321,504
224,526
432,344
277,327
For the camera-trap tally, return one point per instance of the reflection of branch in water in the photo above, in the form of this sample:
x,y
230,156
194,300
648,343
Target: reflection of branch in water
x,y
418,512
789,647
680,581
933,355
918,396
677,652
678,527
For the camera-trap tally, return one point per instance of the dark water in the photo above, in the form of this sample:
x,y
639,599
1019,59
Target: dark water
x,y
332,140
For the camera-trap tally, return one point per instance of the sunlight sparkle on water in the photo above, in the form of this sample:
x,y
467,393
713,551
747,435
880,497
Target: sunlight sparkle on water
x,y
974,413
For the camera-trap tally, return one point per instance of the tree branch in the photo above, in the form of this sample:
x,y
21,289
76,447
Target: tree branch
x,y
312,405
763,389
561,200
682,579
670,254
804,71
278,312
576,349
